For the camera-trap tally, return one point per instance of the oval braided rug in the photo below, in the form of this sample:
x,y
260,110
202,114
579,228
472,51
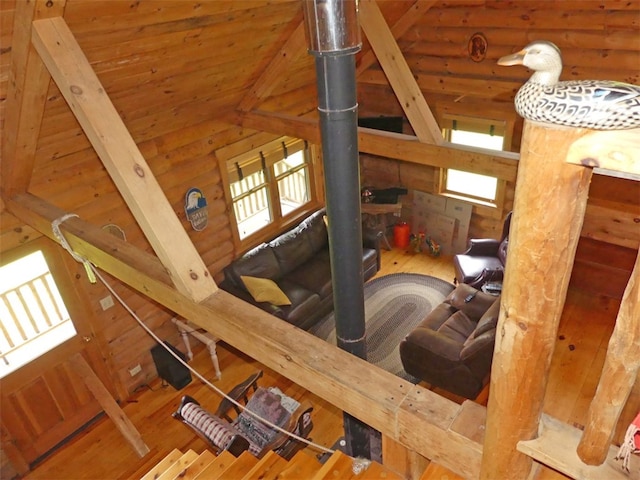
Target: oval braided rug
x,y
394,305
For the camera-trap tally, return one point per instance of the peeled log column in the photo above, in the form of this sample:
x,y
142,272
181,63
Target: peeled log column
x,y
549,207
618,376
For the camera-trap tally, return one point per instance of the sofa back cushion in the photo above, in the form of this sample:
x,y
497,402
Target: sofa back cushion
x,y
292,249
316,230
483,338
489,320
259,262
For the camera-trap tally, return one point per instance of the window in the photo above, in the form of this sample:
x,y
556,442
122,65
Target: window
x,y
473,132
33,317
269,183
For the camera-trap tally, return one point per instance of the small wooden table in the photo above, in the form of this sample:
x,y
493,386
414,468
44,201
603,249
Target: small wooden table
x,y
377,216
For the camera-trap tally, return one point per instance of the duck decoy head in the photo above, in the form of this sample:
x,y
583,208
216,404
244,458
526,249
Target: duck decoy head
x,y
542,57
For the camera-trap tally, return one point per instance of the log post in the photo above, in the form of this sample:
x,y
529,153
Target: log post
x,y
618,376
549,207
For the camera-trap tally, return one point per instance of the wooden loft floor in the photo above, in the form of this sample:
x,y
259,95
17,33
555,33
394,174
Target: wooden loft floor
x,y
100,452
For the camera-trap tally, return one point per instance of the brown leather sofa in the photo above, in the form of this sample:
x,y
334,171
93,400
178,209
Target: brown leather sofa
x,y
452,348
484,260
298,262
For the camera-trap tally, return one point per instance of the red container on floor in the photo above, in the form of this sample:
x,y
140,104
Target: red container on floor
x,y
401,235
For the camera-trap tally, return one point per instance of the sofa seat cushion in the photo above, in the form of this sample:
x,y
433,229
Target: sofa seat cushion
x,y
315,275
303,303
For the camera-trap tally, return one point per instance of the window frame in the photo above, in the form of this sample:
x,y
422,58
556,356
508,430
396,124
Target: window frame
x,y
230,157
479,125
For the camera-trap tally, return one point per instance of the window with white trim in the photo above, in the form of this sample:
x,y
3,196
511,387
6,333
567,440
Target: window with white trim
x,y
474,132
33,317
270,183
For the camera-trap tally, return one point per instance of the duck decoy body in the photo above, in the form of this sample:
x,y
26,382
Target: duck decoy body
x,y
595,104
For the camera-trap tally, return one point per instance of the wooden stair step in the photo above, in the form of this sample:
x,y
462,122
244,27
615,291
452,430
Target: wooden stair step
x,y
268,468
205,459
340,466
165,463
215,468
178,467
302,465
435,471
239,467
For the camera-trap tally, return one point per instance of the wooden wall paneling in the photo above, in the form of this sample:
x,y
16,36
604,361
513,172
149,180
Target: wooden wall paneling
x,y
520,18
116,28
28,83
404,23
567,4
144,197
294,46
377,100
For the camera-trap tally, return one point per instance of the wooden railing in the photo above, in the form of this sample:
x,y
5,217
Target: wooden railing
x,y
29,312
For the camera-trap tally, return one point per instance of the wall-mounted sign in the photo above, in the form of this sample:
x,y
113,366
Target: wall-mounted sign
x,y
477,47
196,209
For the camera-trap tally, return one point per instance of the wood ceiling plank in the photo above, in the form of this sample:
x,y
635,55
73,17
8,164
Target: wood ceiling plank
x,y
290,51
398,73
27,90
122,159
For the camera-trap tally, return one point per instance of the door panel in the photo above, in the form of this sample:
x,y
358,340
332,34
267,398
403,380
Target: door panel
x,y
44,402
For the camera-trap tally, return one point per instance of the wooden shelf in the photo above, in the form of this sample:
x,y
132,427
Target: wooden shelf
x,y
556,447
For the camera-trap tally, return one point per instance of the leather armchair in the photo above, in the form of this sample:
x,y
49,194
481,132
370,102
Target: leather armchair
x,y
484,260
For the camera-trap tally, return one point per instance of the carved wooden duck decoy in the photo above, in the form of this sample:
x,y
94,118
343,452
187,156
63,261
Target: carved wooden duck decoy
x,y
595,104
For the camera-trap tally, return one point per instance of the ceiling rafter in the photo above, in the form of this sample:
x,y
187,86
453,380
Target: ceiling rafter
x,y
413,13
113,143
399,74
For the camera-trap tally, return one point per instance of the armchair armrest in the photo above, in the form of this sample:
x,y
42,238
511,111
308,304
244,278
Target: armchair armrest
x,y
300,424
483,247
239,392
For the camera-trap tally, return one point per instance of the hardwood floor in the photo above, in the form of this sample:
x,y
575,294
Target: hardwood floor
x,y
100,452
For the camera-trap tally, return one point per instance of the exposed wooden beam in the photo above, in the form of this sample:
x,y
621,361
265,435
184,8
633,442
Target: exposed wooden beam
x,y
295,46
121,157
501,165
545,229
26,97
409,414
619,374
398,73
617,150
108,404
399,28
556,445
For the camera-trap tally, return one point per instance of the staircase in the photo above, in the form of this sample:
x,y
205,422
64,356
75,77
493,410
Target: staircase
x,y
207,466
